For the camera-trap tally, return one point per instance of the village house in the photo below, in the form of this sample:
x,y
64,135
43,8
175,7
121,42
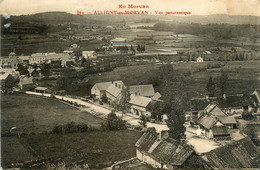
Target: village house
x,y
139,105
236,155
100,88
37,58
58,59
230,104
214,123
24,60
142,90
160,151
26,83
200,59
8,81
113,92
10,62
89,54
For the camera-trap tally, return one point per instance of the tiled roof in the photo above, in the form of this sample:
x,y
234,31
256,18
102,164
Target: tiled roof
x,y
104,85
208,121
114,90
140,100
171,152
227,119
238,154
142,90
147,140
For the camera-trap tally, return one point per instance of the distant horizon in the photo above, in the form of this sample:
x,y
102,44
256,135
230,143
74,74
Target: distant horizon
x,y
196,7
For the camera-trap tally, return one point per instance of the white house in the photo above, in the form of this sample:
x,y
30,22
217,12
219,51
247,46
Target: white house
x,y
99,88
89,54
139,105
37,58
200,59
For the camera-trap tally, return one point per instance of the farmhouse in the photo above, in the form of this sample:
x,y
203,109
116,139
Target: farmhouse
x,y
200,59
26,83
89,54
58,59
24,59
8,81
114,90
160,151
231,104
238,154
139,105
142,90
99,88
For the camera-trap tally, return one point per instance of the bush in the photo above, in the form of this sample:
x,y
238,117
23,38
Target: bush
x,y
247,115
113,122
70,128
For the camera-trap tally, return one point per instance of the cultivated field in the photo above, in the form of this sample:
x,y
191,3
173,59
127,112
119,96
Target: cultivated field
x,y
36,114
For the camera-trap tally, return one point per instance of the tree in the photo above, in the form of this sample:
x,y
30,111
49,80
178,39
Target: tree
x,y
122,104
211,88
223,82
22,70
143,121
104,98
113,122
176,96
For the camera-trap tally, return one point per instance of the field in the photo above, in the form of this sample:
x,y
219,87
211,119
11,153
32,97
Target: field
x,y
242,76
34,115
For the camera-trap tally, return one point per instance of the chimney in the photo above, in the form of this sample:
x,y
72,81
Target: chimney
x,y
163,135
224,96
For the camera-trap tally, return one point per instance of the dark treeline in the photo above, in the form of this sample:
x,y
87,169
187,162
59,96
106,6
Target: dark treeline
x,y
217,31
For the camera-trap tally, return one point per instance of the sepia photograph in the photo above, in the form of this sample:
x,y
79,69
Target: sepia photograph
x,y
129,84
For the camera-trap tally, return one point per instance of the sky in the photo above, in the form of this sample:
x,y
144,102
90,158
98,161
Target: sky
x,y
196,7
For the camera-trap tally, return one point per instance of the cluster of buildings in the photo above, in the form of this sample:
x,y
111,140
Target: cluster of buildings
x,y
215,115
141,96
160,151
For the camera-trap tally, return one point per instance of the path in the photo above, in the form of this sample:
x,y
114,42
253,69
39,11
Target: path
x,y
101,111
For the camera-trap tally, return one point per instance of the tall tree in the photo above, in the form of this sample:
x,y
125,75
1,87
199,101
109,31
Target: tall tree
x,y
176,95
211,87
223,81
122,104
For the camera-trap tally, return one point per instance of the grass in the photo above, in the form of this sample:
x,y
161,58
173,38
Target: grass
x,y
98,149
36,114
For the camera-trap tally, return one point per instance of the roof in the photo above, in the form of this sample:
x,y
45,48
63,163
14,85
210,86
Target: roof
x,y
227,119
52,56
156,96
114,90
104,85
26,80
219,131
87,52
237,154
142,90
41,88
24,57
171,152
4,76
198,104
38,55
208,121
147,140
140,100
118,39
